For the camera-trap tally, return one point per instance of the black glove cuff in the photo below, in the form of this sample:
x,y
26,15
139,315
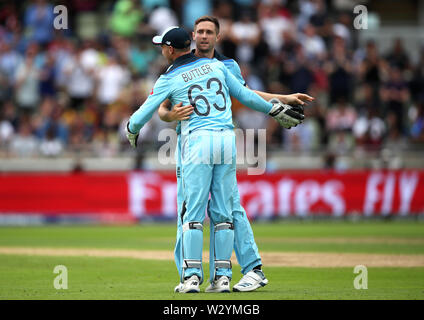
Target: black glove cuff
x,y
128,128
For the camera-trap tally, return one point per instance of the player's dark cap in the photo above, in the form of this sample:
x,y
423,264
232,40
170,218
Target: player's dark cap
x,y
173,36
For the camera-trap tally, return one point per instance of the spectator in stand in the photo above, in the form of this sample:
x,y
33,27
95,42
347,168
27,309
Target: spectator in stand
x,y
92,55
111,79
10,59
370,66
245,34
150,5
82,124
76,7
193,9
79,131
340,70
367,100
4,87
48,118
342,28
416,85
245,3
12,30
246,117
320,83
299,73
369,131
27,82
319,16
10,113
290,46
62,50
253,81
39,19
51,145
141,55
161,18
105,144
398,56
395,140
307,9
224,12
273,24
126,17
340,120
80,80
6,130
24,144
276,75
47,76
341,116
312,43
417,125
302,138
394,95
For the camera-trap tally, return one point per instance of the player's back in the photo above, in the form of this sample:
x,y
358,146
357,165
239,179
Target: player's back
x,y
200,82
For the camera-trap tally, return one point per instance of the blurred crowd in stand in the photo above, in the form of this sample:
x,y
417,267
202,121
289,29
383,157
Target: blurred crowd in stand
x,y
67,91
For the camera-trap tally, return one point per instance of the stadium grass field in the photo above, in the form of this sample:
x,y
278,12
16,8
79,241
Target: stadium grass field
x,y
26,275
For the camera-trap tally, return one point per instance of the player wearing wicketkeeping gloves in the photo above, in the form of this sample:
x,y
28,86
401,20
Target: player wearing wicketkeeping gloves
x,y
207,85
206,30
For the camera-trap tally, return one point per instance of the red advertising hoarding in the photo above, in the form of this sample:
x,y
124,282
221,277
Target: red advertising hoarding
x,y
133,195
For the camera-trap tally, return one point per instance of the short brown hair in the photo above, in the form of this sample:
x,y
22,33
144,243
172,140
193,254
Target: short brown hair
x,y
210,19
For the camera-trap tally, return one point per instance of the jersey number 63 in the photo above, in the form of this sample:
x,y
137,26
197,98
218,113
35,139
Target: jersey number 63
x,y
202,97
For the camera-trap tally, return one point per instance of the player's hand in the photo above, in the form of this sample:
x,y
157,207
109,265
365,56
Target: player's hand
x,y
180,112
286,115
132,137
297,98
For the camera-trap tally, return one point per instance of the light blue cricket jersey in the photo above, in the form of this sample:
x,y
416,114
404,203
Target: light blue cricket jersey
x,y
231,65
206,84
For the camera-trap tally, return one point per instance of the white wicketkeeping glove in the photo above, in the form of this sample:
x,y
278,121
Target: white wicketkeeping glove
x,y
286,115
132,137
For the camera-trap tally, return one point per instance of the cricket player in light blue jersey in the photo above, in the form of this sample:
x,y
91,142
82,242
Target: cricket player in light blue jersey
x,y
206,34
208,153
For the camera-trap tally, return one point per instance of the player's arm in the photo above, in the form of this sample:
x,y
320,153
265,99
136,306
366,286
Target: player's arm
x,y
292,99
139,118
281,112
176,113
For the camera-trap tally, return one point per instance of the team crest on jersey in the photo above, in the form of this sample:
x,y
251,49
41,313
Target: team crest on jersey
x,y
151,92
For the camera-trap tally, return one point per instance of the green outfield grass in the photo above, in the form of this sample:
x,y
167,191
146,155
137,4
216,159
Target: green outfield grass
x,y
31,277
281,236
112,278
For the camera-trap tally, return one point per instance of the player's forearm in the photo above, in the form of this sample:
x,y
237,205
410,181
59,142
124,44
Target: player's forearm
x,y
165,115
268,96
164,111
252,100
140,118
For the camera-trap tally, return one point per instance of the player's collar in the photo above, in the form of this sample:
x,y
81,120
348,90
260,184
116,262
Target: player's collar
x,y
185,58
219,56
216,55
182,60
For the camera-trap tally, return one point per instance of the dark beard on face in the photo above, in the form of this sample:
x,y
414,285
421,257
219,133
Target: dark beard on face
x,y
205,50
